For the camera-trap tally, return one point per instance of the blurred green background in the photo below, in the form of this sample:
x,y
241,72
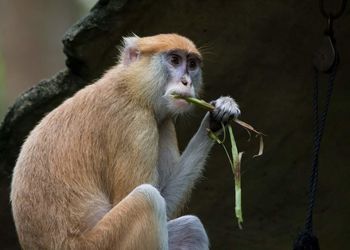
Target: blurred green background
x,y
30,42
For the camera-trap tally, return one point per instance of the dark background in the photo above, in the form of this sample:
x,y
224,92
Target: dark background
x,y
260,53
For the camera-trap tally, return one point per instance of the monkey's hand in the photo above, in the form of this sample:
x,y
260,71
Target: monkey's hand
x,y
225,110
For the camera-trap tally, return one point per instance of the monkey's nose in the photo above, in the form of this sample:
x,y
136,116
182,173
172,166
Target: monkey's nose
x,y
184,82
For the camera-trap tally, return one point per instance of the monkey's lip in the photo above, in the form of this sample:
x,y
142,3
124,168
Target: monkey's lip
x,y
181,103
182,94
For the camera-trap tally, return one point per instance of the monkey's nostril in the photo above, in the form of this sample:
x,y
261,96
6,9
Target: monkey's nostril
x,y
184,82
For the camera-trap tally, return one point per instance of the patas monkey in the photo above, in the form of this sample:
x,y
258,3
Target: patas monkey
x,y
103,170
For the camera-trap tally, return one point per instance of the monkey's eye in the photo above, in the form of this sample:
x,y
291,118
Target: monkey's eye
x,y
192,64
175,60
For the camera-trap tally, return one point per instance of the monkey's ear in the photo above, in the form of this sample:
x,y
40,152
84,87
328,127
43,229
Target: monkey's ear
x,y
129,52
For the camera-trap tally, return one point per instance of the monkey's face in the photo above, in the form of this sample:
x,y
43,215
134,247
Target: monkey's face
x,y
184,77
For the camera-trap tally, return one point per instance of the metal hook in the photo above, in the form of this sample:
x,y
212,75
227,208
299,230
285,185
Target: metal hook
x,y
326,56
335,15
329,31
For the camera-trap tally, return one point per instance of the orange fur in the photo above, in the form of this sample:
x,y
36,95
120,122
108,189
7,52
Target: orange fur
x,y
166,42
97,142
73,183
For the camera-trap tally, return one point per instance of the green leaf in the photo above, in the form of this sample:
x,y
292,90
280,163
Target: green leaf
x,y
235,157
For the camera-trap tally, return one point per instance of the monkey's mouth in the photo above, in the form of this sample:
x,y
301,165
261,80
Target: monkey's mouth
x,y
178,102
183,94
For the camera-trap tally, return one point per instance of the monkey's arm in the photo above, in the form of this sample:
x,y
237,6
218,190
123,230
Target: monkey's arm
x,y
169,155
178,174
182,172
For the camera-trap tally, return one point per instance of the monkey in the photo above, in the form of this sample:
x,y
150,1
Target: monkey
x,y
103,170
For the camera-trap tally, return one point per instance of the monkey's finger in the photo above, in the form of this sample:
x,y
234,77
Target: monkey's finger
x,y
227,117
221,114
236,112
217,115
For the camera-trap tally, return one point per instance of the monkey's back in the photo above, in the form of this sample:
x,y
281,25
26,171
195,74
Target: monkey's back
x,y
75,164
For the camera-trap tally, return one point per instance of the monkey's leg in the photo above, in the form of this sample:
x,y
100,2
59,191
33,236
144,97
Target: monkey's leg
x,y
137,222
187,232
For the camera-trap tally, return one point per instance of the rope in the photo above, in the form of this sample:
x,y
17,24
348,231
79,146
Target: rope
x,y
318,134
306,239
